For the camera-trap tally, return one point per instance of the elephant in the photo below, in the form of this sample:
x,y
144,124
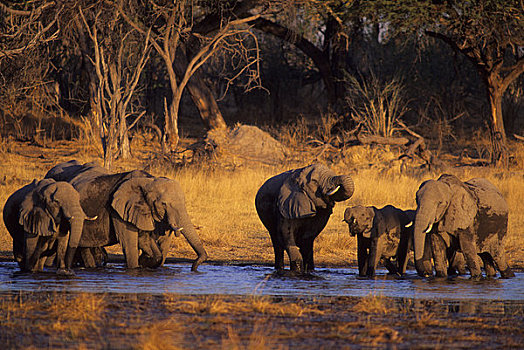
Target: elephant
x,y
41,215
471,217
381,235
154,252
295,206
386,233
134,209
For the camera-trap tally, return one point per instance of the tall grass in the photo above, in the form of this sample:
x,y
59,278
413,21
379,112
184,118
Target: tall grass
x,y
221,203
376,104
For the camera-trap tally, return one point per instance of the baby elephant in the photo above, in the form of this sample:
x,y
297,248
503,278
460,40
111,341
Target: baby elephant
x,y
381,235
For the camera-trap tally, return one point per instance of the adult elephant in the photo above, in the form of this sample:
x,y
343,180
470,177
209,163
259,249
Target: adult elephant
x,y
469,216
39,215
135,209
295,207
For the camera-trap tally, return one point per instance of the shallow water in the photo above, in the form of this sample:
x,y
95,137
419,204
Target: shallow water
x,y
259,280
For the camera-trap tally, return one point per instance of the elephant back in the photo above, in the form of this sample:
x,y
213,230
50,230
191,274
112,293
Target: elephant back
x,y
489,198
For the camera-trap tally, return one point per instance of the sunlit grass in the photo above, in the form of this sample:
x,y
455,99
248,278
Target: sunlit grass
x,y
220,201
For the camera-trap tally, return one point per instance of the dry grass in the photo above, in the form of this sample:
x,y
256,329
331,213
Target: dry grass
x,y
139,321
221,201
374,304
260,305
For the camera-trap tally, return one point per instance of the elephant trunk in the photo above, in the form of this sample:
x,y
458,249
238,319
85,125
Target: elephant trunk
x,y
423,221
76,222
188,230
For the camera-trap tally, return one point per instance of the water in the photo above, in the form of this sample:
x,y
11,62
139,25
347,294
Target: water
x,y
259,280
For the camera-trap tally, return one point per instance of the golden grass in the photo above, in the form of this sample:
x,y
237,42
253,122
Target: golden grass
x,y
221,201
374,304
217,305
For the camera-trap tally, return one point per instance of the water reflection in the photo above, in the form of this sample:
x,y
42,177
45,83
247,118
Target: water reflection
x,y
247,280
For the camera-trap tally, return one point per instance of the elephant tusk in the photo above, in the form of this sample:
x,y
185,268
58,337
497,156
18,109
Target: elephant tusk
x,y
177,231
92,218
409,224
429,228
332,192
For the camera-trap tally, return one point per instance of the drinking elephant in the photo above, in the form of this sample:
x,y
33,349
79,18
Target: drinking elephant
x,y
295,207
471,217
131,208
381,235
385,234
39,215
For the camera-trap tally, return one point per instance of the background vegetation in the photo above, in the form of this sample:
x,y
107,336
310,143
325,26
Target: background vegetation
x,y
135,84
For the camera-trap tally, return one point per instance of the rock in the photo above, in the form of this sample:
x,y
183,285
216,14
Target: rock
x,y
248,142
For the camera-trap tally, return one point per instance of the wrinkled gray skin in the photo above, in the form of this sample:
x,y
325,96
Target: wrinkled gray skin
x,y
295,207
40,216
134,209
471,217
385,234
382,235
154,251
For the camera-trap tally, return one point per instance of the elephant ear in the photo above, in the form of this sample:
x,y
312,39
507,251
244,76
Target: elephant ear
x,y
37,221
293,202
129,201
461,211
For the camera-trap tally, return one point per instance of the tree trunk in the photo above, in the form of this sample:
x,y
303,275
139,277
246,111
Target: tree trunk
x,y
495,93
201,95
170,138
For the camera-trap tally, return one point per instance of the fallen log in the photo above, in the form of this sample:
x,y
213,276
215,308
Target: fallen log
x,y
381,140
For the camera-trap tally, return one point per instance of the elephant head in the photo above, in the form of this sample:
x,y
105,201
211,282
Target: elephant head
x,y
153,204
48,206
311,188
359,220
445,202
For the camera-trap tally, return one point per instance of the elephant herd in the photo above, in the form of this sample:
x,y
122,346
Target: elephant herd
x,y
67,219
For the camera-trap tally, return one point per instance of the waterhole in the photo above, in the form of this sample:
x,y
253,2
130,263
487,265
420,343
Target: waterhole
x,y
260,280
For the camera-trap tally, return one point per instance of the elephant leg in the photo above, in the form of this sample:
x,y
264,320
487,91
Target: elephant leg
x,y
296,263
295,258
375,253
279,252
459,263
61,247
499,256
164,243
392,268
469,250
306,249
34,248
404,247
362,255
489,264
128,237
438,247
88,258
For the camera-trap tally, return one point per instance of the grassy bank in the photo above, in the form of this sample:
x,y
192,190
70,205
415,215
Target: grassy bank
x,y
139,321
221,199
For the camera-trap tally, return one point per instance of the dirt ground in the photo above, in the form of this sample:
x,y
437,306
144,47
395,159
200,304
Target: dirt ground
x,y
138,321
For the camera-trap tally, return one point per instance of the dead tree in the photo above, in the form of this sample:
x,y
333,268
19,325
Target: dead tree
x,y
115,80
171,29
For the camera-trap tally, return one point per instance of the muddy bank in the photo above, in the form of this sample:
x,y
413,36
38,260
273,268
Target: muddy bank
x,y
171,321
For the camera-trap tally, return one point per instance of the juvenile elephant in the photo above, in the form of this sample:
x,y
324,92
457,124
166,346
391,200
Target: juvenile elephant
x,y
39,215
385,234
471,217
131,209
295,207
381,235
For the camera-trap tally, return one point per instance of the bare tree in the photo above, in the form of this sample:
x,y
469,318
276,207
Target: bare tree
x,y
170,31
116,76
